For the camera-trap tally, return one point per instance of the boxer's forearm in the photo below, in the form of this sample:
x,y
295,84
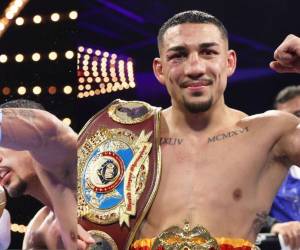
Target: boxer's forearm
x,y
64,206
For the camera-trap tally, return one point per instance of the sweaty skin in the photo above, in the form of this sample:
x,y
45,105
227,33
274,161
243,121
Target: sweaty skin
x,y
226,171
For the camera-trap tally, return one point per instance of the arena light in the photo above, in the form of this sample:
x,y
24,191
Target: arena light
x,y
88,86
19,3
20,21
55,17
80,48
36,57
67,121
97,52
3,58
9,15
69,54
52,90
6,91
68,89
37,19
81,80
10,12
89,51
2,26
37,90
22,90
16,228
19,58
94,67
52,56
73,15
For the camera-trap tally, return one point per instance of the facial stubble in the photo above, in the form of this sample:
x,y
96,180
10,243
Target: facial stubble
x,y
198,107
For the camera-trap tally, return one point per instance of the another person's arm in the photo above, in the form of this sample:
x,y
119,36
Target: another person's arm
x,y
287,56
53,147
290,232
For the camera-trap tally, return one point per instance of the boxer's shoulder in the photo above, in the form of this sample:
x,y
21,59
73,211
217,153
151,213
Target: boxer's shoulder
x,y
272,120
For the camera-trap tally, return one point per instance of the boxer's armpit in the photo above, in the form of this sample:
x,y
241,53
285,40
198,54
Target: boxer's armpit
x,y
227,135
259,221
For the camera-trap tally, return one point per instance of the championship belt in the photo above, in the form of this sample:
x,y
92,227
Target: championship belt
x,y
118,172
175,238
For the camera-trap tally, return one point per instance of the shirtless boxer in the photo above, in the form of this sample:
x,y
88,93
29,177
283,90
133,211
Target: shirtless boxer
x,y
228,165
38,158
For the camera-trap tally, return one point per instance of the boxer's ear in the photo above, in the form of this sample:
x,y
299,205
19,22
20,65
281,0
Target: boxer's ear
x,y
231,62
158,70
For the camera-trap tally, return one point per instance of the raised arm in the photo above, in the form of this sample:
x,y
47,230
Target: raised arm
x,y
287,56
52,146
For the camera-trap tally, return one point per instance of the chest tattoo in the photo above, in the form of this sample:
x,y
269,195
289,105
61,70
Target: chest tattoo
x,y
171,141
227,135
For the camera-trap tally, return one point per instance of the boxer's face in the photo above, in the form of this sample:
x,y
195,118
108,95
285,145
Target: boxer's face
x,y
291,106
194,65
16,171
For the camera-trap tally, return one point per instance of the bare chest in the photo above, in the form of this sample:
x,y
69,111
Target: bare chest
x,y
212,161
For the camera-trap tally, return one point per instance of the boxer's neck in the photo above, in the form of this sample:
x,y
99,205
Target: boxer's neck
x,y
215,118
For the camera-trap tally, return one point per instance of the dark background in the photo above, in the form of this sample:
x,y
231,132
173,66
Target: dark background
x,y
129,28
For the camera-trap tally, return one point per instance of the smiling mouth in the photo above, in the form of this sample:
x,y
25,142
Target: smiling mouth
x,y
197,84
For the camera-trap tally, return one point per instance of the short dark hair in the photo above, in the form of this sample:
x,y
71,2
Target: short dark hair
x,y
22,103
191,16
287,94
